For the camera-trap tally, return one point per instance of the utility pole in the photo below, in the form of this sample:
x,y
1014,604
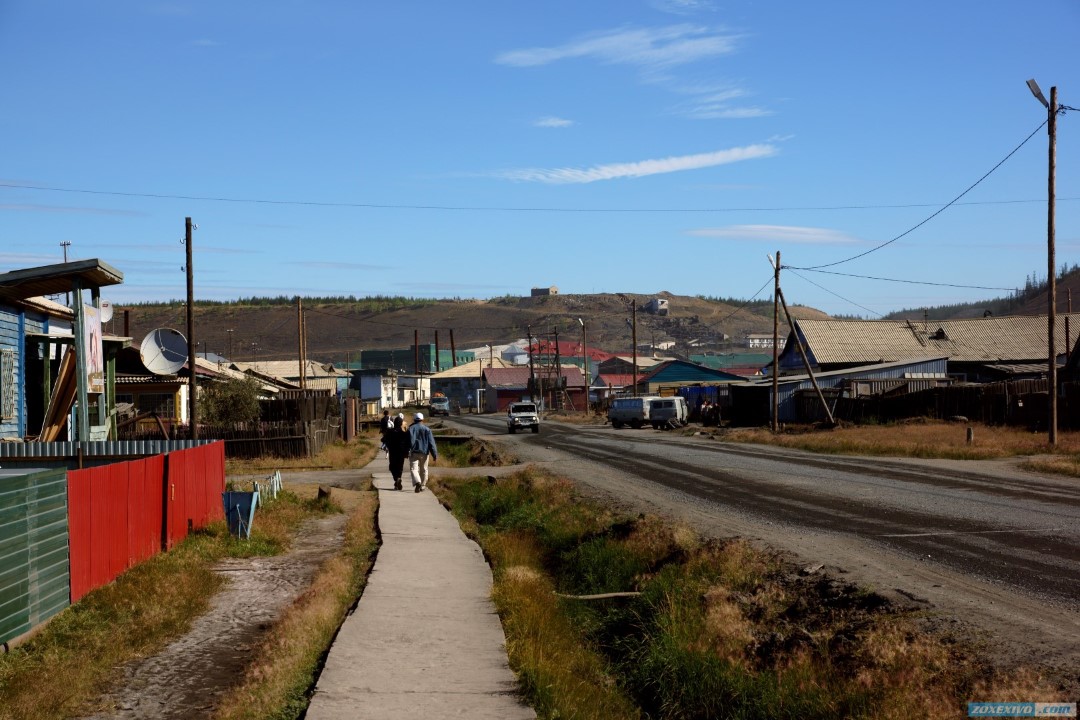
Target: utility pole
x,y
1051,274
806,361
453,349
192,420
776,345
229,332
585,359
633,339
532,369
300,341
65,245
558,360
438,360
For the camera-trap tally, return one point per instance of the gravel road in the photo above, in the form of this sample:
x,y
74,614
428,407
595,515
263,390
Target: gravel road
x,y
988,550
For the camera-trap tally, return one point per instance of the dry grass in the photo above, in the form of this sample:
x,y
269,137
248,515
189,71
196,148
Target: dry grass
x,y
334,456
1058,465
720,629
922,439
284,667
66,667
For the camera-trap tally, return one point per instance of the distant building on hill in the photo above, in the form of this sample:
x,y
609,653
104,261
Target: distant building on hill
x,y
540,292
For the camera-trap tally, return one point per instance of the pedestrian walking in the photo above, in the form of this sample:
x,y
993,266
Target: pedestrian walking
x,y
386,426
398,442
421,446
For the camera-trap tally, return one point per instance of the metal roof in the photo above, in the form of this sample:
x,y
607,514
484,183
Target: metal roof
x,y
59,278
472,369
988,339
517,376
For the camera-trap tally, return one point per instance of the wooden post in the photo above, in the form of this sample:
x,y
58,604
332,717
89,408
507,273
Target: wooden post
x,y
453,349
806,361
776,346
1051,269
300,341
192,420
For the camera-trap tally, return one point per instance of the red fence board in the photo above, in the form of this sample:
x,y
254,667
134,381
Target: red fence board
x,y
124,513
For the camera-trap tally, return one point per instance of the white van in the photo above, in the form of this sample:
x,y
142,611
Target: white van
x,y
669,412
632,411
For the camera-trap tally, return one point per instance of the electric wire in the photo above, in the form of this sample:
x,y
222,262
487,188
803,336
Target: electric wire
x,y
932,215
487,208
821,287
909,282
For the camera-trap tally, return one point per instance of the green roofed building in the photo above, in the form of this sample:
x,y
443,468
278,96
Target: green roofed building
x,y
405,360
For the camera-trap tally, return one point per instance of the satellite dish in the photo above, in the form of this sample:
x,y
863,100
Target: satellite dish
x,y
106,311
164,351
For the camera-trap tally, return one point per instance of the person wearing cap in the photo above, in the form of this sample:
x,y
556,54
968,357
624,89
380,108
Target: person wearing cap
x,y
421,446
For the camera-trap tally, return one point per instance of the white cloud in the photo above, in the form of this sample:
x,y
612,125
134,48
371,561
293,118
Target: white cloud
x,y
778,233
641,168
657,52
648,47
553,122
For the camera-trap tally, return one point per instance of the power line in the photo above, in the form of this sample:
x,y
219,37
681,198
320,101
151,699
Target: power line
x,y
934,214
484,208
909,282
821,287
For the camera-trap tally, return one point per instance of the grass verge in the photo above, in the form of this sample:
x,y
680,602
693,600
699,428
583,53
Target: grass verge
x,y
337,455
70,663
719,629
279,680
474,453
921,438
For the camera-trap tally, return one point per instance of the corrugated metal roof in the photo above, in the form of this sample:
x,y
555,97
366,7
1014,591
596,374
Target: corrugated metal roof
x,y
290,369
518,377
1014,338
472,369
615,380
58,278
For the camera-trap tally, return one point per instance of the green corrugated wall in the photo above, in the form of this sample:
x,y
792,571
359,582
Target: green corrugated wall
x,y
34,581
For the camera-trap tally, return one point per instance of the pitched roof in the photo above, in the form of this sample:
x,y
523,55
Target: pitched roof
x,y
518,376
987,339
471,369
683,371
614,380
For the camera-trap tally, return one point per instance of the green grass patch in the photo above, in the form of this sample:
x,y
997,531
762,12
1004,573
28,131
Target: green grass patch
x,y
719,629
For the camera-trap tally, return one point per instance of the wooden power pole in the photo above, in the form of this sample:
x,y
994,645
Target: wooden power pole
x,y
192,420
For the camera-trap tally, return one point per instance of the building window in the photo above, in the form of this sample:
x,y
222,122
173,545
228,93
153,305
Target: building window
x,y
161,403
7,384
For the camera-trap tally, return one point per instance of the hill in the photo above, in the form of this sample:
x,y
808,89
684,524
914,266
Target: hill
x,y
1031,300
266,328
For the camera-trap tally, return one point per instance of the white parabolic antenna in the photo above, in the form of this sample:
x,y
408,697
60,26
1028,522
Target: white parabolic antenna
x,y
164,351
106,311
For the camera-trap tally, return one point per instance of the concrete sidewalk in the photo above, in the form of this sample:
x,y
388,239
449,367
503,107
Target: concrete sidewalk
x,y
425,640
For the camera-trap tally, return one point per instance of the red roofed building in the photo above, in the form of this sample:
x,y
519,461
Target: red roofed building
x,y
507,385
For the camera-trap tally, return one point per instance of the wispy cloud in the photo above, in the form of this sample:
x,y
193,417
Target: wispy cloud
x,y
205,42
777,233
553,122
658,53
684,7
647,47
641,168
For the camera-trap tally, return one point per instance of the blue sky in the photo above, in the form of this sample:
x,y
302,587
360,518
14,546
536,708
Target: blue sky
x,y
477,149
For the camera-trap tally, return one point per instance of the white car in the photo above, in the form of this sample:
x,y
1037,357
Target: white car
x,y
522,415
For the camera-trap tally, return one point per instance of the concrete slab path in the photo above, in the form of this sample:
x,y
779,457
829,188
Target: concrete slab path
x,y
424,640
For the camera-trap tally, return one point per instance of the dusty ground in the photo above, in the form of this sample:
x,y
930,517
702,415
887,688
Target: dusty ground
x,y
186,679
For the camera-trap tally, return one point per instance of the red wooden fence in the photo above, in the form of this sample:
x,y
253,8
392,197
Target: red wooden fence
x,y
124,513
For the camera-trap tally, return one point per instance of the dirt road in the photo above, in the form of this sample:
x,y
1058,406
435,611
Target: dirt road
x,y
989,551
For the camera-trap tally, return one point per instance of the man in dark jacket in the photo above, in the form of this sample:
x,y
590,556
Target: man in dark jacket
x,y
421,445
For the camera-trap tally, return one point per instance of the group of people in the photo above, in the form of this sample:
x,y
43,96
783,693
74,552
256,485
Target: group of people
x,y
415,442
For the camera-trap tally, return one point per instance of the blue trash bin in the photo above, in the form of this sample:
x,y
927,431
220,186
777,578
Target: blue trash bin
x,y
240,511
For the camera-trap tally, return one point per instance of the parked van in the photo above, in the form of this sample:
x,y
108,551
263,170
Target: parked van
x,y
668,412
632,411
